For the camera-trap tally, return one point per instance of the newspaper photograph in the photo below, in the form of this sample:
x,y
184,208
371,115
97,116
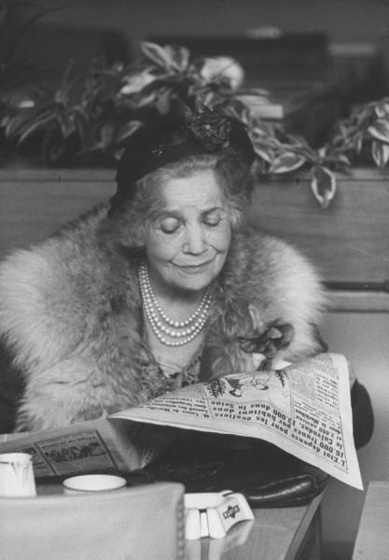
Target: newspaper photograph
x,y
91,446
305,409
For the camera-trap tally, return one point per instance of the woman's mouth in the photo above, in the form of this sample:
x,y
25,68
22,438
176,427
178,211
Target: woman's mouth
x,y
194,268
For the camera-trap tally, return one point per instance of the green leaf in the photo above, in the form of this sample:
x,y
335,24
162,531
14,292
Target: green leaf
x,y
82,125
342,159
14,126
137,82
323,185
66,123
106,136
179,57
261,128
236,110
380,153
382,107
157,54
163,101
380,130
297,142
358,143
263,151
285,163
128,130
33,126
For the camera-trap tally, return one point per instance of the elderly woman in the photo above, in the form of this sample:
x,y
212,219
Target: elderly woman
x,y
159,288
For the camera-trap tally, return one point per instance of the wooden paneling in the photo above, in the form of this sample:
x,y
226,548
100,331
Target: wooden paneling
x,y
349,241
34,203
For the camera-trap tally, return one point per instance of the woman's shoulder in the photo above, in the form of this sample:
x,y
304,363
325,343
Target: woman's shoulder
x,y
272,255
284,268
67,252
57,281
281,282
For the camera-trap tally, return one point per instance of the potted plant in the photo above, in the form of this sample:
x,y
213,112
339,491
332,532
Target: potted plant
x,y
86,119
19,76
167,73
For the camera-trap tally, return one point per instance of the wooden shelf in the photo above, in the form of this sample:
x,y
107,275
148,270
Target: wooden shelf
x,y
348,242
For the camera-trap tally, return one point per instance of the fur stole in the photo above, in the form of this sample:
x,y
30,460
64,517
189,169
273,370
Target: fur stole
x,y
70,312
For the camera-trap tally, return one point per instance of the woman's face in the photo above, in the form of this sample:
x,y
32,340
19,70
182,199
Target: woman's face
x,y
187,242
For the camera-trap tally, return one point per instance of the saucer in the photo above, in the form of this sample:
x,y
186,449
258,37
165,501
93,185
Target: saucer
x,y
90,483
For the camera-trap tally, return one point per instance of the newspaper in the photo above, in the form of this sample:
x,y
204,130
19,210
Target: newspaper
x,y
304,409
101,445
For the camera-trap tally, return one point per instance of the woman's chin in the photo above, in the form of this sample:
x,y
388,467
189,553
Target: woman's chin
x,y
194,285
194,282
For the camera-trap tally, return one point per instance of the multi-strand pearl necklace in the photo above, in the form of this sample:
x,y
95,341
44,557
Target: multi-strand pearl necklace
x,y
168,331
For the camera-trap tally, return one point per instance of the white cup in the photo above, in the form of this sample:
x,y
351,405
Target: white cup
x,y
16,475
89,483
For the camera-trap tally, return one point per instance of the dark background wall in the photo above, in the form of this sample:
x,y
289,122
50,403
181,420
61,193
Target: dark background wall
x,y
344,20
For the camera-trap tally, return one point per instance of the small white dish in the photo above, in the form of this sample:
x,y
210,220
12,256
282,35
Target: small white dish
x,y
89,483
212,514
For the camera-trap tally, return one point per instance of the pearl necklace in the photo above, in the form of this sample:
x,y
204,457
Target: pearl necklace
x,y
168,331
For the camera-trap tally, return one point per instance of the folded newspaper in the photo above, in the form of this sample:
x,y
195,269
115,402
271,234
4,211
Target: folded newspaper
x,y
304,409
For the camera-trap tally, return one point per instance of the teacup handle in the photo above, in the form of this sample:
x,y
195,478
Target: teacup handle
x,y
21,470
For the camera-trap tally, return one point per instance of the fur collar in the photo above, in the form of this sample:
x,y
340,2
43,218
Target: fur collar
x,y
70,310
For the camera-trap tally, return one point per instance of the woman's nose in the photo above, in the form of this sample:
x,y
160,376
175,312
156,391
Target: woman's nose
x,y
194,240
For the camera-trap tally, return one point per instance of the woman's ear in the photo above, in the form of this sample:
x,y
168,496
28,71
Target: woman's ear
x,y
235,217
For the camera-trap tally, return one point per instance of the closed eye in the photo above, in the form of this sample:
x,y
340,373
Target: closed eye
x,y
214,217
212,222
170,225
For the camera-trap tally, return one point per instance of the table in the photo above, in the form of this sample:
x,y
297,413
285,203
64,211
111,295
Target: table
x,y
274,534
372,540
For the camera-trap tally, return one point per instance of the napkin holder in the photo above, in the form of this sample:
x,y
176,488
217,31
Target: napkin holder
x,y
212,514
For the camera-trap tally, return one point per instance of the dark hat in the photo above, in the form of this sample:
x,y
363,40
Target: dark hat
x,y
191,133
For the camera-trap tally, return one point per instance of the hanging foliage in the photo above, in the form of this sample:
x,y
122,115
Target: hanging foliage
x,y
87,119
